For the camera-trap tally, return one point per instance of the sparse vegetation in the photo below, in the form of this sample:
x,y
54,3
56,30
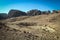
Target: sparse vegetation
x,y
42,27
27,24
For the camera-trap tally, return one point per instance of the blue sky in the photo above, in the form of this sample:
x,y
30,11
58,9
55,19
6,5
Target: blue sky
x,y
26,5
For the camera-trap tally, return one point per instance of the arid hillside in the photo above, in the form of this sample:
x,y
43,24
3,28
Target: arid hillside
x,y
39,27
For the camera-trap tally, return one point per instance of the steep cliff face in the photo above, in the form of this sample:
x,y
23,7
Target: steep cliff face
x,y
16,13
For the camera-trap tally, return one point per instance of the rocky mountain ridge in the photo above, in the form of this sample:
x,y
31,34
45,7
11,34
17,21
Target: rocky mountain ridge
x,y
17,13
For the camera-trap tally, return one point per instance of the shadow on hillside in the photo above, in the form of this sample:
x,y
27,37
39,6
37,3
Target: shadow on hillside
x,y
27,24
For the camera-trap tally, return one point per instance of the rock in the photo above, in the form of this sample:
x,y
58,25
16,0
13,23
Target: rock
x,y
34,12
58,11
16,13
3,16
46,12
55,11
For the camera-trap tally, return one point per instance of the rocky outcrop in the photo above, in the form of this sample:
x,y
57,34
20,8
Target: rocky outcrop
x,y
3,16
34,12
45,12
56,11
59,11
16,13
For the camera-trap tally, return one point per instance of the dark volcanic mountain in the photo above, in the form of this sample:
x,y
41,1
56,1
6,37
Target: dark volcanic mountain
x,y
3,16
16,13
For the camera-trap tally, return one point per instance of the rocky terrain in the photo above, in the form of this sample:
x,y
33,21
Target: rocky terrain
x,y
3,16
16,13
34,12
33,27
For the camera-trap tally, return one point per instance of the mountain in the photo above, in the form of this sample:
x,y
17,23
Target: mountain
x,y
3,16
45,12
39,27
16,13
34,12
56,11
